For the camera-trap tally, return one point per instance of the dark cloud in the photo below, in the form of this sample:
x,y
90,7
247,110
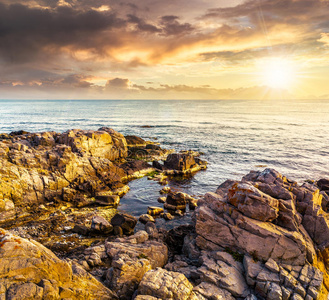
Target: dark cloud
x,y
142,25
117,83
171,26
27,32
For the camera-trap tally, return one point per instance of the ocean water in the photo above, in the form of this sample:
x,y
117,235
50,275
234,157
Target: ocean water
x,y
235,136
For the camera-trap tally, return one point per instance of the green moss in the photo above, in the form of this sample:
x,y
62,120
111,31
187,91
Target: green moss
x,y
142,255
152,174
236,255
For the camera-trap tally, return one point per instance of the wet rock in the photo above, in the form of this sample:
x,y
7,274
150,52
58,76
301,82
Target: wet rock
x,y
125,221
176,201
154,210
167,216
108,200
165,190
164,284
146,218
162,199
180,162
101,225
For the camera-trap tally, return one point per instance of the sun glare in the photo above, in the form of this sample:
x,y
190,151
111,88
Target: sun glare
x,y
278,73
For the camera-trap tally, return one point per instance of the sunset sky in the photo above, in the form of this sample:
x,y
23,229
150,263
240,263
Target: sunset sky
x,y
173,49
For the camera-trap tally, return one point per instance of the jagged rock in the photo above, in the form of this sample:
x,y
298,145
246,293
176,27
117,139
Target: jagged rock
x,y
152,231
220,269
155,252
272,266
125,221
181,266
175,238
101,225
30,271
252,202
164,284
211,291
181,162
126,273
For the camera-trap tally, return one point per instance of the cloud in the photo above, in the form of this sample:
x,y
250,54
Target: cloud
x,y
324,39
69,43
117,83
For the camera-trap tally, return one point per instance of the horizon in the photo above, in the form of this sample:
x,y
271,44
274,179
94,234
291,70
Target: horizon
x,y
208,50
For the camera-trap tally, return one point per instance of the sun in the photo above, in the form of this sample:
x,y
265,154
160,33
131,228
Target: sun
x,y
278,73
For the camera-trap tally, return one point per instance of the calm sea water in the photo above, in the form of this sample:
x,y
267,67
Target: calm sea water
x,y
235,136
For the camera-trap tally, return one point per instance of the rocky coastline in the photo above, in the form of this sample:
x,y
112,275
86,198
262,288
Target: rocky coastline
x,y
62,237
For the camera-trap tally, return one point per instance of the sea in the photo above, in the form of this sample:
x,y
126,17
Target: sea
x,y
235,136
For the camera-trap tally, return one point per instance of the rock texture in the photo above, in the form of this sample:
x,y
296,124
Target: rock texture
x,y
75,166
276,230
30,271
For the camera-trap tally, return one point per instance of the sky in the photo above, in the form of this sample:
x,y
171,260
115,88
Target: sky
x,y
173,49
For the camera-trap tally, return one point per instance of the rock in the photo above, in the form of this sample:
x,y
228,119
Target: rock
x,y
157,165
42,273
81,229
101,225
252,202
165,190
108,200
145,297
162,199
167,216
176,201
125,221
211,291
175,238
180,162
164,284
146,218
135,141
154,210
272,266
323,185
126,273
152,231
222,270
155,252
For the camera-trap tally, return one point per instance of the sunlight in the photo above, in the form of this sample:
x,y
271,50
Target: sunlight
x,y
278,73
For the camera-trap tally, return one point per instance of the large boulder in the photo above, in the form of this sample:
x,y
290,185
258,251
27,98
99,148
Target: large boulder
x,y
28,270
278,228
